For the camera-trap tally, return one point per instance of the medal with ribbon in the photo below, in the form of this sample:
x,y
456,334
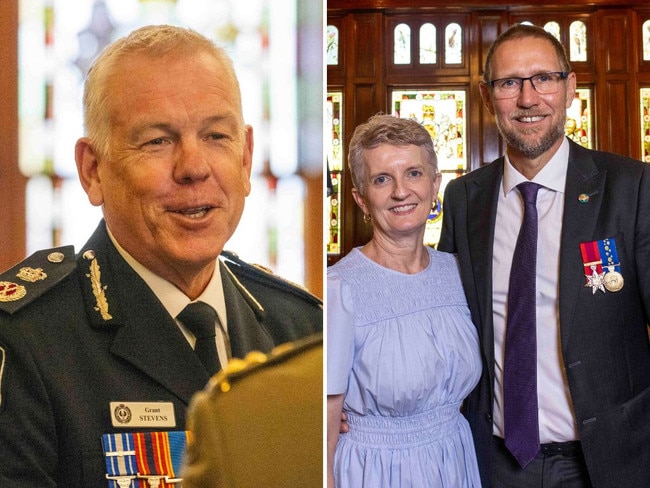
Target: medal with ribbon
x,y
601,265
144,459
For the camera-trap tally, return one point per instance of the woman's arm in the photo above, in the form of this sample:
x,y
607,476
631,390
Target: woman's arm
x,y
334,410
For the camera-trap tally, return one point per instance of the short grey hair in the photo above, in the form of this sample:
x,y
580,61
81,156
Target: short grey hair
x,y
386,129
154,41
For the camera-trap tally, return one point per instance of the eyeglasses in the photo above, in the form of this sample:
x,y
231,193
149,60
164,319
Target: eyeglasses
x,y
543,83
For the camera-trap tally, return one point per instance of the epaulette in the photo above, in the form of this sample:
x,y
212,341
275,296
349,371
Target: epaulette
x,y
31,278
265,275
237,368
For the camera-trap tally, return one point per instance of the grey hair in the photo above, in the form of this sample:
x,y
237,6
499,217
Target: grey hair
x,y
154,41
386,129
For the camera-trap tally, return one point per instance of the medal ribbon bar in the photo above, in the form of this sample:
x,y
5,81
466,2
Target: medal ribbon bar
x,y
144,459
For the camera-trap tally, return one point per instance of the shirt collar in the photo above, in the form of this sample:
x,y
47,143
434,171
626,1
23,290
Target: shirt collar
x,y
552,175
171,297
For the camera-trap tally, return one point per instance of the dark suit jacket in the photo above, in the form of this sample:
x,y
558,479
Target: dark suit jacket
x,y
604,336
62,361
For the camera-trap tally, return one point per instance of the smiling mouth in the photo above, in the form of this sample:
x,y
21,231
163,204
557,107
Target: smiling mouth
x,y
195,213
403,208
531,119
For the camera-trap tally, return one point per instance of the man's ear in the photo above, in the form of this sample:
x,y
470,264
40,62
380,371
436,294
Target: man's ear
x,y
87,169
247,158
485,96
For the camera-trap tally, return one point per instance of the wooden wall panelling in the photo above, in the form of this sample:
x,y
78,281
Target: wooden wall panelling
x,y
487,145
617,113
12,182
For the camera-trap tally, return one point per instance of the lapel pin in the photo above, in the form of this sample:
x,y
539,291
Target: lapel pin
x,y
583,198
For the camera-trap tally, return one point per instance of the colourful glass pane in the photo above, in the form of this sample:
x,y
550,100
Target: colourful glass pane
x,y
453,44
335,169
443,114
578,122
644,96
578,41
332,45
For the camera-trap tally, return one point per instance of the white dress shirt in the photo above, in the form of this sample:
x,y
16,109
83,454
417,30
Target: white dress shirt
x,y
556,417
175,300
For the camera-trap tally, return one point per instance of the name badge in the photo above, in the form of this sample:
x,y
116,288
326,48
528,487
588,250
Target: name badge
x,y
142,414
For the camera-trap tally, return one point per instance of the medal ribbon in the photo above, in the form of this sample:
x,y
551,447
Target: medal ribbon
x,y
591,257
119,452
609,254
158,455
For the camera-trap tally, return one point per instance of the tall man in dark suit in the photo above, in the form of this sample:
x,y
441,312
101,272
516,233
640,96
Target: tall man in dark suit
x,y
591,281
93,356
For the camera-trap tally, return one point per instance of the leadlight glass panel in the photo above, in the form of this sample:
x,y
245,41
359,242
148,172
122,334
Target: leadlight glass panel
x,y
453,44
443,114
335,169
402,47
428,54
578,41
645,124
332,45
553,28
578,122
646,40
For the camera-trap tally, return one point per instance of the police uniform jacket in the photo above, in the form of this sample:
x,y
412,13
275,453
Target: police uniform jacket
x,y
91,332
603,335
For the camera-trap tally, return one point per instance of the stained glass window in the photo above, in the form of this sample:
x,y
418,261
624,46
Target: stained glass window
x,y
332,45
428,53
402,48
453,44
646,40
578,121
443,114
58,40
578,41
335,163
645,124
553,28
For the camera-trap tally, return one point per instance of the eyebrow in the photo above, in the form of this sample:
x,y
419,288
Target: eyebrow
x,y
231,119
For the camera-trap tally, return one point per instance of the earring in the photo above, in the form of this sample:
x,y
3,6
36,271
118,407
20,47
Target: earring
x,y
367,218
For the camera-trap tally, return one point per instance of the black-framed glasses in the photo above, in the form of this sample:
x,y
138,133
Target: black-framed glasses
x,y
544,83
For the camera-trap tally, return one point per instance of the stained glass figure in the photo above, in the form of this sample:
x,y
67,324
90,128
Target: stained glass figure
x,y
578,41
402,47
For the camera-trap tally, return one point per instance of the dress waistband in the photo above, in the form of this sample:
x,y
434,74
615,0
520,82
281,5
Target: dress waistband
x,y
396,432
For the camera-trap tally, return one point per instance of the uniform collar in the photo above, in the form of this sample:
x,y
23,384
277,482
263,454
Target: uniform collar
x,y
171,297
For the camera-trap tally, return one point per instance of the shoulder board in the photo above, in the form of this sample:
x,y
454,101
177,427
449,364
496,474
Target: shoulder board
x,y
254,361
34,276
265,275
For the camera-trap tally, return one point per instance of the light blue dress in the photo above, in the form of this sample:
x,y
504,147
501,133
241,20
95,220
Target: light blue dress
x,y
405,352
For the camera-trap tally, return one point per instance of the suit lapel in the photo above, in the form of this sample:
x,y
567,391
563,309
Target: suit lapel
x,y
146,335
245,317
578,224
482,199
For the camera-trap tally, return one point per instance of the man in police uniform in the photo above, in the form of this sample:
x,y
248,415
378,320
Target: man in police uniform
x,y
90,344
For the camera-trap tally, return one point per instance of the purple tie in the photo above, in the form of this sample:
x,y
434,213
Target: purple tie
x,y
520,368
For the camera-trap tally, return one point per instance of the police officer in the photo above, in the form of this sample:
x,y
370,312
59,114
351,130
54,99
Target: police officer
x,y
96,367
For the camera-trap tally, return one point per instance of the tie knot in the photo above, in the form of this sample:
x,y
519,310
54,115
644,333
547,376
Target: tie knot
x,y
529,190
200,319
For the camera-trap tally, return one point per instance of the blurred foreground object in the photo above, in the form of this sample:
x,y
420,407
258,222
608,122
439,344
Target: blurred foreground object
x,y
260,421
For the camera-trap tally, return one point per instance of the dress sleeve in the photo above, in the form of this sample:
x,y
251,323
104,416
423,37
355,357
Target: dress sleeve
x,y
340,334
